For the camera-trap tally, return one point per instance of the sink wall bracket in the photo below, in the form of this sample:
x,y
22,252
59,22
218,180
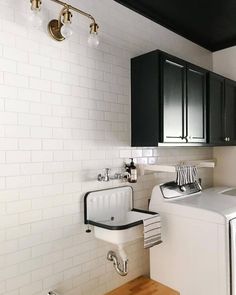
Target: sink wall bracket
x,y
120,267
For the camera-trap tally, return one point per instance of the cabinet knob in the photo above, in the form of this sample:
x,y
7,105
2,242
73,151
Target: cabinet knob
x,y
226,139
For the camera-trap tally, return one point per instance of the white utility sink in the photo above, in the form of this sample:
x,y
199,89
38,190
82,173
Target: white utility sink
x,y
112,214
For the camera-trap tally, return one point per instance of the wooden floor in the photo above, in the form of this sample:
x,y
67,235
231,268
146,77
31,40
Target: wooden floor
x,y
143,286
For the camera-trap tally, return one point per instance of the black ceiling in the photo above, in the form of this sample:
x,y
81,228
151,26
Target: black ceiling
x,y
209,23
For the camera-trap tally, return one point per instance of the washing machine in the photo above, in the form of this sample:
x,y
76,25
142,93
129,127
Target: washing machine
x,y
198,253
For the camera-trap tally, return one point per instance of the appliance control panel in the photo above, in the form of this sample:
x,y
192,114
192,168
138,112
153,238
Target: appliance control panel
x,y
171,190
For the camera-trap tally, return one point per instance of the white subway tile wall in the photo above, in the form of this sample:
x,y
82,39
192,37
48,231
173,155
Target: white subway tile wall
x,y
64,116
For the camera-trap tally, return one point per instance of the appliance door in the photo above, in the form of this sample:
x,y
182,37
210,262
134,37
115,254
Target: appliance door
x,y
233,255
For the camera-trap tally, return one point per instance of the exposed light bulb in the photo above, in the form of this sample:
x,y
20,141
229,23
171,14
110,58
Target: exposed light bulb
x,y
35,19
93,40
66,30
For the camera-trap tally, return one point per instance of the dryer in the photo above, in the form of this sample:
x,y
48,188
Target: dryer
x,y
198,253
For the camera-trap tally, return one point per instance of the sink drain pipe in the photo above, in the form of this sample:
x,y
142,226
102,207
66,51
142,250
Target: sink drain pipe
x,y
121,268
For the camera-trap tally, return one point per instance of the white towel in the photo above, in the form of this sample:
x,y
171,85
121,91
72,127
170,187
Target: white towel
x,y
186,174
152,231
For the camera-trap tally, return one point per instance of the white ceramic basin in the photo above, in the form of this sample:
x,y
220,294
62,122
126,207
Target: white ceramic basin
x,y
111,213
121,230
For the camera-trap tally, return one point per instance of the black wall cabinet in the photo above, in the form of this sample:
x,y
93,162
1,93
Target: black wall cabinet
x,y
222,110
168,101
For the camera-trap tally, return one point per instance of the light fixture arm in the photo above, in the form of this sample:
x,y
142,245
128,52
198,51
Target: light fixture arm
x,y
64,9
68,6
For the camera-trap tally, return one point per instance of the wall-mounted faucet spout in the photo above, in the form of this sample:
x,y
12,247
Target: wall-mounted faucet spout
x,y
107,177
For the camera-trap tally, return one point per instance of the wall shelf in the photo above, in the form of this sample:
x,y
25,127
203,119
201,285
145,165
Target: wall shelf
x,y
172,167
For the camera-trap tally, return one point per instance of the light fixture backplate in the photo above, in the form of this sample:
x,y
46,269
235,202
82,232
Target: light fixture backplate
x,y
55,30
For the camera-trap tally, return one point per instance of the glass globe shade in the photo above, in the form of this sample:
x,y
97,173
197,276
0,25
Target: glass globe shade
x,y
93,40
66,30
35,19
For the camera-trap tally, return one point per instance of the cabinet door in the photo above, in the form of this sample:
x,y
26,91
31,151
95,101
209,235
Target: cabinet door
x,y
173,99
196,104
216,122
145,100
230,111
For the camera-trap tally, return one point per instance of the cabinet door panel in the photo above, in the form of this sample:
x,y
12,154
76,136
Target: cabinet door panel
x,y
216,109
196,104
173,99
230,111
145,100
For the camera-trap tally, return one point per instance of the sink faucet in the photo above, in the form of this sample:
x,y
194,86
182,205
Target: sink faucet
x,y
106,176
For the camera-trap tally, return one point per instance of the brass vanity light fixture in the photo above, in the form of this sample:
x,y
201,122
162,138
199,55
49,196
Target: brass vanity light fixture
x,y
35,18
93,39
60,29
36,4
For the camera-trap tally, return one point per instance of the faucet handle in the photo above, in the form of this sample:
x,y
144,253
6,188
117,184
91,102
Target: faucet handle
x,y
100,177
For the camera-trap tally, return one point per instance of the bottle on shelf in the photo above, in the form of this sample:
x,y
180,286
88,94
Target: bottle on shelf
x,y
133,172
127,171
